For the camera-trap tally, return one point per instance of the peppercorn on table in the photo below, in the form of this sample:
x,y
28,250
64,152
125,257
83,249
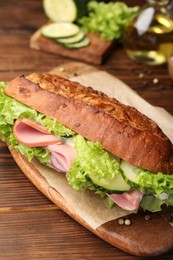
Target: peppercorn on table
x,y
31,226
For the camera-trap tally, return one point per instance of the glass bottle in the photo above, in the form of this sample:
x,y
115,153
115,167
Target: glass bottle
x,y
149,36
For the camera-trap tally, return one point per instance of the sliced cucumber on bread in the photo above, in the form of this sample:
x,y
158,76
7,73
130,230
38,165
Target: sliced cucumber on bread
x,y
80,44
62,14
73,39
67,34
109,185
60,30
130,173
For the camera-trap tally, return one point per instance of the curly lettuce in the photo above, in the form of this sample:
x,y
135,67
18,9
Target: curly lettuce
x,y
91,158
154,204
10,110
107,19
158,183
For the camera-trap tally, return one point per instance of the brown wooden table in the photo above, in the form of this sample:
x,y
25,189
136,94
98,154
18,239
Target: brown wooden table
x,y
31,227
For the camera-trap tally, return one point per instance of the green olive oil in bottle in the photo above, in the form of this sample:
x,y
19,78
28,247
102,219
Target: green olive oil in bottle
x,y
149,37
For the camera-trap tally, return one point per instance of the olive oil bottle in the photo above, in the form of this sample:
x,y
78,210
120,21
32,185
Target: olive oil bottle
x,y
149,36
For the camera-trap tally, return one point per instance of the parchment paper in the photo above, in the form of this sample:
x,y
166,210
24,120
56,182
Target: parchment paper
x,y
90,207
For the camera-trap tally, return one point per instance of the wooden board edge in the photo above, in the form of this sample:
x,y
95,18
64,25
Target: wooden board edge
x,y
151,242
142,237
95,53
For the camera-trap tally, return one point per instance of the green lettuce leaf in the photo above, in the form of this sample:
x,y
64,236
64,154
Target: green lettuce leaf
x,y
53,126
10,110
107,19
91,158
154,204
157,183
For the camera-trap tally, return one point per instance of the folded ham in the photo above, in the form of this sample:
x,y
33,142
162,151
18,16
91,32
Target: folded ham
x,y
32,134
62,156
128,200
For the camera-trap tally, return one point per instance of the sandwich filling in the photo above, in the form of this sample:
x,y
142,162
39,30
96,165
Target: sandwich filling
x,y
86,164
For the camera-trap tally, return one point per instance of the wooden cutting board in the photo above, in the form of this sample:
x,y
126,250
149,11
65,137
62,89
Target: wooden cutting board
x,y
95,53
143,237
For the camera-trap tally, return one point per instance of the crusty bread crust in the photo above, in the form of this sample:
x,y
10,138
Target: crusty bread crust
x,y
120,129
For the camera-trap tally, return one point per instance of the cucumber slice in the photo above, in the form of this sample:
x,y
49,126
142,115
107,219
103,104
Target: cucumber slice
x,y
60,30
116,185
83,43
73,39
130,173
60,10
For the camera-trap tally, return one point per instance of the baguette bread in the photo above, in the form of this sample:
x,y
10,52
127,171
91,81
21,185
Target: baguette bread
x,y
120,129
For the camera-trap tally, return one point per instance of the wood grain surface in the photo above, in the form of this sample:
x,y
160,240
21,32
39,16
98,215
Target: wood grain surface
x,y
31,227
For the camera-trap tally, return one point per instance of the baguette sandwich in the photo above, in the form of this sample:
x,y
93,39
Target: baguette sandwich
x,y
98,142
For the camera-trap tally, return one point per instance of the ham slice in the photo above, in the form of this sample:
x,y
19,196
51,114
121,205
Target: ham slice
x,y
62,156
32,134
128,200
